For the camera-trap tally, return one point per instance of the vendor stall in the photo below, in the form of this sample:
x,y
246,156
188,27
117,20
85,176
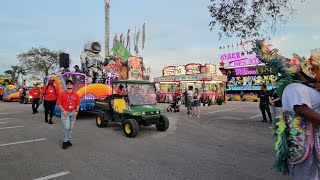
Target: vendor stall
x,y
204,77
245,73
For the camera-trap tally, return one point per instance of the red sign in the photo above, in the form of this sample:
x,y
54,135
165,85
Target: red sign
x,y
193,68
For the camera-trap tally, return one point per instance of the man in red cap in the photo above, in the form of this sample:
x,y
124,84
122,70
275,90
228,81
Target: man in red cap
x,y
35,94
69,104
50,96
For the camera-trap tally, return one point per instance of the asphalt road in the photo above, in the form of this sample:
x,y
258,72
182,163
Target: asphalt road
x,y
227,142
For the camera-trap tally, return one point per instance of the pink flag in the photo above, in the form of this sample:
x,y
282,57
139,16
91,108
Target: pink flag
x,y
115,39
137,42
121,37
143,35
128,40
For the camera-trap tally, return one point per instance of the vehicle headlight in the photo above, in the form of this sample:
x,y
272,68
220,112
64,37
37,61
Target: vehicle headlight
x,y
143,113
30,97
158,112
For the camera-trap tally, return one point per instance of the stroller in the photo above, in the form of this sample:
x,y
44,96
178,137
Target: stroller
x,y
174,106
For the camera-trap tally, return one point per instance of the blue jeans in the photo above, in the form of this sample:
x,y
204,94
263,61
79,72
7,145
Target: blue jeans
x,y
67,123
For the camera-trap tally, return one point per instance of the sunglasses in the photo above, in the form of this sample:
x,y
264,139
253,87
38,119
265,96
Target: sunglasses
x,y
70,84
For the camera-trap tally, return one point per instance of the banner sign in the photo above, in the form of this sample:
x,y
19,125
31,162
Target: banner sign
x,y
237,59
164,79
264,70
120,51
135,68
187,78
245,71
180,70
193,68
210,68
169,71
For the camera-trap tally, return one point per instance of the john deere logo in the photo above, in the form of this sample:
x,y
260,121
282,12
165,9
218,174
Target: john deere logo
x,y
135,74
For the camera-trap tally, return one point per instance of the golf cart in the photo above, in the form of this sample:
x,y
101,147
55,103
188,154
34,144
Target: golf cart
x,y
134,106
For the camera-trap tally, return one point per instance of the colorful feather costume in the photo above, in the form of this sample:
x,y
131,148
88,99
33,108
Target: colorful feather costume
x,y
292,140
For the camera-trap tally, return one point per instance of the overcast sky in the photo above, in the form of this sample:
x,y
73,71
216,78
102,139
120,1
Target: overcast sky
x,y
177,31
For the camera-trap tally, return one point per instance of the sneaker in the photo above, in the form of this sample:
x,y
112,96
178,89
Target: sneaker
x,y
199,117
33,112
264,121
64,145
50,121
69,143
46,120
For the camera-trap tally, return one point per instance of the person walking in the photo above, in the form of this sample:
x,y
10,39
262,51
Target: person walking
x,y
69,104
189,100
241,94
35,94
196,102
49,95
275,105
264,103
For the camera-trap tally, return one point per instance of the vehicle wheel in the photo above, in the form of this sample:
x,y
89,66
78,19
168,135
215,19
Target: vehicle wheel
x,y
100,121
163,123
130,128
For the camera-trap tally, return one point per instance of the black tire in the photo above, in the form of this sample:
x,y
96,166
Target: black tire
x,y
163,123
130,128
100,121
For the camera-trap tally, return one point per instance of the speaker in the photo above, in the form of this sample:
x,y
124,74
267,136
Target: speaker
x,y
64,60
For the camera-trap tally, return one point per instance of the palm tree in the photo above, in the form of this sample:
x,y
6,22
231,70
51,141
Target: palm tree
x,y
15,71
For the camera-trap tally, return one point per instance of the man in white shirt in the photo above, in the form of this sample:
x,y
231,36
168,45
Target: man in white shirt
x,y
189,99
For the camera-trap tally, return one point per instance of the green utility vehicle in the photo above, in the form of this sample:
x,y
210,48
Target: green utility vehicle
x,y
132,104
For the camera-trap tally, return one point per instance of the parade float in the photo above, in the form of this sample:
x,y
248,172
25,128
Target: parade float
x,y
94,83
245,73
11,93
206,78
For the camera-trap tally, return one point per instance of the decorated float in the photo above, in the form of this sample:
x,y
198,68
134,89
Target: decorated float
x,y
115,68
206,78
11,93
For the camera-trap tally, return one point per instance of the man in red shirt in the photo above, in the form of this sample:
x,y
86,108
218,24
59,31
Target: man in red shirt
x,y
178,95
50,95
35,95
69,104
119,90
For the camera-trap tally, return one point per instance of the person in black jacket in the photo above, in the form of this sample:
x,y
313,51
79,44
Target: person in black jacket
x,y
264,103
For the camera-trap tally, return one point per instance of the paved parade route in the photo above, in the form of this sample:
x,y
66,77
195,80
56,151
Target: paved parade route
x,y
227,142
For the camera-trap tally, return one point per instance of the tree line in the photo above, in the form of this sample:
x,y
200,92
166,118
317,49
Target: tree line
x,y
37,61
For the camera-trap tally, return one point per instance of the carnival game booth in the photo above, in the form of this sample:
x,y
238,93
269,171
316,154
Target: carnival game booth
x,y
205,78
245,73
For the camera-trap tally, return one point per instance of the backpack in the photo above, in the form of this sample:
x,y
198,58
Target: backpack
x,y
54,88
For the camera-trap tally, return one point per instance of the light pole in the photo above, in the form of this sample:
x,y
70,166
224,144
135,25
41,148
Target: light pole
x,y
107,26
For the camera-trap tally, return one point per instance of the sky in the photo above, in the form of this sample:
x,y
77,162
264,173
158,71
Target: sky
x,y
177,31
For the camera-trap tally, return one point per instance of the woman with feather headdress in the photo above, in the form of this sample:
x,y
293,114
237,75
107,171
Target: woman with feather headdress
x,y
297,130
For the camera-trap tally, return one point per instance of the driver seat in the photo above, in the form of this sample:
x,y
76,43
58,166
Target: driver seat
x,y
119,105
